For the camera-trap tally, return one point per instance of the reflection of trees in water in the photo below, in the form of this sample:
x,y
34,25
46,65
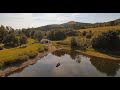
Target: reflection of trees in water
x,y
60,53
73,54
78,59
106,66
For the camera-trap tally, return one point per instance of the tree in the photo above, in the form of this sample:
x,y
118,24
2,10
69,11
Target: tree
x,y
22,40
57,35
71,33
15,41
11,40
3,33
51,35
38,35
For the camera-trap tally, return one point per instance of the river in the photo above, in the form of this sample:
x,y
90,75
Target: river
x,y
69,63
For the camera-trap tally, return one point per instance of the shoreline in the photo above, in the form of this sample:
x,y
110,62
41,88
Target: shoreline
x,y
110,57
95,55
9,70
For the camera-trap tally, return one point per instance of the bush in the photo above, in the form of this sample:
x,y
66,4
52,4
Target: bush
x,y
71,33
1,47
84,43
73,42
33,54
89,35
84,33
41,49
45,48
107,40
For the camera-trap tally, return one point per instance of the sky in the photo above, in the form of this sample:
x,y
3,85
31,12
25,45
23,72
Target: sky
x,y
28,20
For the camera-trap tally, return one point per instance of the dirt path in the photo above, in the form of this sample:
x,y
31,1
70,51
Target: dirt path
x,y
11,69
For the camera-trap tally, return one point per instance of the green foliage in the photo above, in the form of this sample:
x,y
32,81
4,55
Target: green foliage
x,y
57,35
73,43
22,40
71,33
33,54
89,34
38,35
3,33
107,40
11,40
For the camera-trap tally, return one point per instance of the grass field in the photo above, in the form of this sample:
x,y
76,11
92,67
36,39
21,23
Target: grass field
x,y
31,40
100,29
22,53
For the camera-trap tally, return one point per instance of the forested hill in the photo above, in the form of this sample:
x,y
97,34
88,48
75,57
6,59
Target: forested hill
x,y
76,25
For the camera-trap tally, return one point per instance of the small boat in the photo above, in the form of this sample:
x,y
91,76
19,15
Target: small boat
x,y
58,65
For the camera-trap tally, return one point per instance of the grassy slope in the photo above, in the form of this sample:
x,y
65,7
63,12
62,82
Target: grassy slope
x,y
15,54
100,29
31,40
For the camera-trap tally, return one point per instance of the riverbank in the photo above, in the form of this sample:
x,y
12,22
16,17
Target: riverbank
x,y
89,52
93,53
5,72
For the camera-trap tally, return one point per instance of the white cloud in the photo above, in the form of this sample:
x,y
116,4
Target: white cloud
x,y
16,20
25,20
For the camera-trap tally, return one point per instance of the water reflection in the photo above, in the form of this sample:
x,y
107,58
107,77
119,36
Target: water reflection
x,y
78,58
73,54
109,67
106,66
71,63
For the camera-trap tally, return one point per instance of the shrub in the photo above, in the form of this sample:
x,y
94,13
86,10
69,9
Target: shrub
x,y
45,48
83,43
33,54
71,33
84,33
107,40
1,47
73,42
89,35
41,49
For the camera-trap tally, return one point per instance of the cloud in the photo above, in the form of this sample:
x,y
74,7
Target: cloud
x,y
16,20
25,20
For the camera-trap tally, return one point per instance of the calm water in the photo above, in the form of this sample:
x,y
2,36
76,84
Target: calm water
x,y
70,64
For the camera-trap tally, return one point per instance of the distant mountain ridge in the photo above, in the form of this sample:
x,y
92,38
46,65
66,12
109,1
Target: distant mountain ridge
x,y
76,25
